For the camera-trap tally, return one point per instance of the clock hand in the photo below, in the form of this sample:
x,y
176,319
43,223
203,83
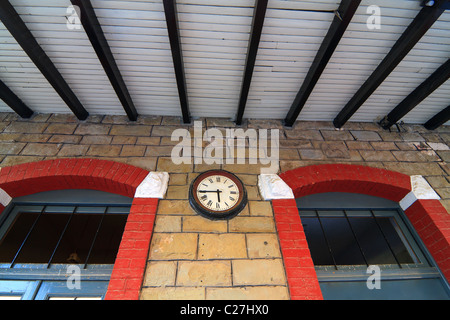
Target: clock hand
x,y
203,191
218,194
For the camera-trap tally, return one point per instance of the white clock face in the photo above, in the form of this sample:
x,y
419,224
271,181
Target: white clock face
x,y
218,193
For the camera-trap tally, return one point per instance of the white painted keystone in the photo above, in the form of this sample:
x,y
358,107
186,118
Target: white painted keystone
x,y
153,186
271,186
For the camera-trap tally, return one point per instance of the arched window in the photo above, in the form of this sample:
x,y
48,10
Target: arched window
x,y
363,247
60,244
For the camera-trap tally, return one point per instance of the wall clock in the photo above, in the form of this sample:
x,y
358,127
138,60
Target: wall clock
x,y
217,194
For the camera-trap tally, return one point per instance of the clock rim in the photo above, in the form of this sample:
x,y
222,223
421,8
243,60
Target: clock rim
x,y
211,214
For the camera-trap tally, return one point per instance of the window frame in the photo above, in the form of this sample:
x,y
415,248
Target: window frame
x,y
340,201
33,276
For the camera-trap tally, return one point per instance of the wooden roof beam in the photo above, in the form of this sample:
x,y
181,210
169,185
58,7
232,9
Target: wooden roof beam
x,y
439,119
170,11
413,33
14,101
433,82
259,14
25,39
97,38
341,20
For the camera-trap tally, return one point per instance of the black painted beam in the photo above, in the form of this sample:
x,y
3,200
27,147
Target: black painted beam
x,y
439,119
95,34
433,82
418,27
25,39
259,14
170,10
337,28
14,101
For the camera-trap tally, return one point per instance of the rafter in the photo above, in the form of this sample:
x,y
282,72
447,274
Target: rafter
x,y
97,38
433,82
341,20
25,39
413,33
170,10
439,119
258,21
14,101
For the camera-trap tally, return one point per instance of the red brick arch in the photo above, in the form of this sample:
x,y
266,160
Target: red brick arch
x,y
33,177
348,178
429,218
109,176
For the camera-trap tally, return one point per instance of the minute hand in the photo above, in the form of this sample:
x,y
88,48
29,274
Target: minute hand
x,y
203,191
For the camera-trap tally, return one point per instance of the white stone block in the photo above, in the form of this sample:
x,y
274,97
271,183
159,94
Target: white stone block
x,y
153,186
271,186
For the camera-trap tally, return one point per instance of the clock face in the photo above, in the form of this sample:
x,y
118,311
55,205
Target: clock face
x,y
217,194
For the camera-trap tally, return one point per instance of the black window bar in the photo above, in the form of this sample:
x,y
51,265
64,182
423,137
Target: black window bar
x,y
357,241
46,209
26,237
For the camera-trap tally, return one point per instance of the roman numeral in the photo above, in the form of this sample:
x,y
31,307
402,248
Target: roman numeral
x,y
217,205
209,203
204,197
232,199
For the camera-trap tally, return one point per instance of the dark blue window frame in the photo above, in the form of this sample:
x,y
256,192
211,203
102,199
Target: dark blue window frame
x,y
46,280
348,281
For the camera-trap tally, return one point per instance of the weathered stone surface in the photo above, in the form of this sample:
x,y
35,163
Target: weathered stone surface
x,y
248,293
365,135
200,224
204,273
131,130
89,128
222,246
104,151
270,272
160,273
252,224
173,293
41,149
167,224
179,207
73,150
260,208
169,246
263,246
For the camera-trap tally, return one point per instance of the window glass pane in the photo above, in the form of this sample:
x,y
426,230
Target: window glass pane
x,y
16,234
43,239
77,239
108,239
343,245
371,241
317,244
391,231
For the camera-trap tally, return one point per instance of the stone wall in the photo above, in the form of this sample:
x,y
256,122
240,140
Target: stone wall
x,y
194,258
412,150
